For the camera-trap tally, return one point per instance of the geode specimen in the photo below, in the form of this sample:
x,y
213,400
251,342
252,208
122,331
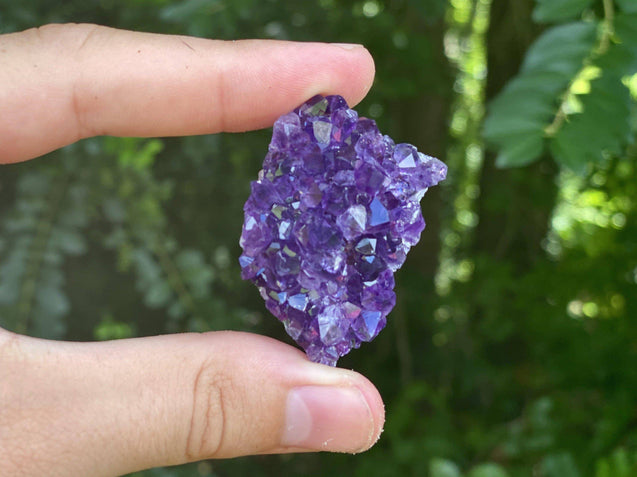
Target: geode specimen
x,y
330,219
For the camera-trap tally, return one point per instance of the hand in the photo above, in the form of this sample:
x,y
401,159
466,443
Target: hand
x,y
116,407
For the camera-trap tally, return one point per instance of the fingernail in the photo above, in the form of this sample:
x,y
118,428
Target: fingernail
x,y
327,418
348,46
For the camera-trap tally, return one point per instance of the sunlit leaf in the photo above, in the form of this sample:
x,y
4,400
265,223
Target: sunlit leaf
x,y
109,329
601,127
518,116
620,461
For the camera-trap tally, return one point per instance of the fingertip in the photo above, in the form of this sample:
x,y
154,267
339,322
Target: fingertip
x,y
298,71
350,72
376,408
327,408
363,73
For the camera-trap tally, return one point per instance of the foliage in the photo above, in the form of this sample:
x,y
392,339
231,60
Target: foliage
x,y
569,87
511,350
45,227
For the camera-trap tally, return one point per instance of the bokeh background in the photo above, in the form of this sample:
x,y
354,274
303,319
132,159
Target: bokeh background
x,y
512,350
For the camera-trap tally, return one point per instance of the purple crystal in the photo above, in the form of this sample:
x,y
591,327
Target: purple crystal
x,y
330,219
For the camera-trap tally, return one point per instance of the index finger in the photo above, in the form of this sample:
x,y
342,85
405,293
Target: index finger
x,y
61,83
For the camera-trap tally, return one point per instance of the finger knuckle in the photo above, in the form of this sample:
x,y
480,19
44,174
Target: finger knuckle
x,y
75,39
213,392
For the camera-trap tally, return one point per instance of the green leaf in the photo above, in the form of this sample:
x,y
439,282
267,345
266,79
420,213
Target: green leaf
x,y
114,210
51,304
547,11
52,276
443,468
559,465
75,216
621,463
158,295
72,243
47,326
561,49
518,116
602,127
147,268
9,292
197,274
189,259
521,149
110,329
176,310
34,182
184,11
488,470
628,6
51,299
617,465
11,272
146,155
602,468
510,122
626,43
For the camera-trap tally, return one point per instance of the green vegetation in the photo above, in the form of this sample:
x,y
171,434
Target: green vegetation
x,y
512,351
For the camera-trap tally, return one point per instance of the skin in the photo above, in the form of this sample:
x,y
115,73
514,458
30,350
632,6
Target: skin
x,y
111,408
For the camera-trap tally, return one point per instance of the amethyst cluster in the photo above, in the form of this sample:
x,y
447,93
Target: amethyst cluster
x,y
330,219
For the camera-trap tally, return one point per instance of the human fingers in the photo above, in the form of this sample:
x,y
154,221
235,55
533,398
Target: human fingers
x,y
116,407
61,83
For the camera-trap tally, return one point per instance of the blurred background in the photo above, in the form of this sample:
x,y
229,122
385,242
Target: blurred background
x,y
512,350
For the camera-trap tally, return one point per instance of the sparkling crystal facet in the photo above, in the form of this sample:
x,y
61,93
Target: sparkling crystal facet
x,y
332,215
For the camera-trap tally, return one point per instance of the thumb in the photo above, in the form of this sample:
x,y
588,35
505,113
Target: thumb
x,y
116,407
